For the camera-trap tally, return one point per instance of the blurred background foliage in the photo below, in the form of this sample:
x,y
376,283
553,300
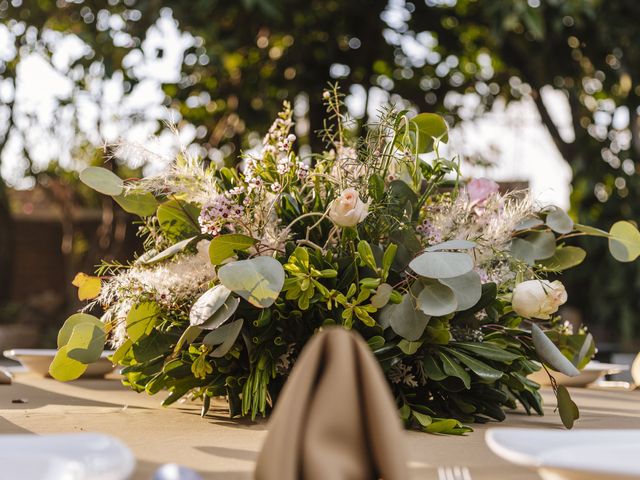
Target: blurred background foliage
x,y
245,57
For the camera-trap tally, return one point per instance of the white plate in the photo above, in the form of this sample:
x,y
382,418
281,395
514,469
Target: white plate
x,y
589,374
39,466
38,360
74,456
568,455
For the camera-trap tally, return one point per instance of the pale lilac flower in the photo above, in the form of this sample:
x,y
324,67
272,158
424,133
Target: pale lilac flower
x,y
217,214
428,230
236,191
303,171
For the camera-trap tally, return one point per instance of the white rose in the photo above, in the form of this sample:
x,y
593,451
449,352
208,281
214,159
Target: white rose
x,y
348,210
538,298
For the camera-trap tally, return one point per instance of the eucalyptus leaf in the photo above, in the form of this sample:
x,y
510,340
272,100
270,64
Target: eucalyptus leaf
x,y
74,320
586,351
224,337
225,246
170,251
528,223
467,289
624,241
208,304
565,257
64,368
523,250
451,245
142,204
258,280
223,314
86,343
188,337
436,299
544,244
559,221
102,180
550,353
404,318
382,295
534,246
594,232
567,408
442,264
425,127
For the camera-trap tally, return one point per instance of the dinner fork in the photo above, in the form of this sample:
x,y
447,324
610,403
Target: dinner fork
x,y
454,473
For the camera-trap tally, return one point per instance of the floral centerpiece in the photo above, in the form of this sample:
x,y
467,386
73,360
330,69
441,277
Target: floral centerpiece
x,y
452,285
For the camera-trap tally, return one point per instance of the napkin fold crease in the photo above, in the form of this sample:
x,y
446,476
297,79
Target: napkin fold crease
x,y
336,418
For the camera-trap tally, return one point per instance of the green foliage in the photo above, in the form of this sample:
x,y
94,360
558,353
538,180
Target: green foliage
x,y
565,257
102,180
178,219
442,264
142,204
304,282
258,280
425,128
141,320
405,319
223,337
225,246
624,242
170,251
568,409
447,338
550,353
208,304
80,342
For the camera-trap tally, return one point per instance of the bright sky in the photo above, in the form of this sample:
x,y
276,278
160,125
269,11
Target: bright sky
x,y
511,136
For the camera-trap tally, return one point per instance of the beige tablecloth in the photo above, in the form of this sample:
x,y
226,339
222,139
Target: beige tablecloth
x,y
224,449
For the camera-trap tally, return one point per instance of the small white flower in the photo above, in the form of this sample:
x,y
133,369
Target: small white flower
x,y
538,298
348,210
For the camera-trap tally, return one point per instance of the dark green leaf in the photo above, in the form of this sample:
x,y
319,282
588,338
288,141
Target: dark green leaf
x,y
489,351
568,410
481,369
453,368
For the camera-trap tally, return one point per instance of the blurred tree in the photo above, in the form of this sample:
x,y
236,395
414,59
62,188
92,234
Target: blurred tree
x,y
245,57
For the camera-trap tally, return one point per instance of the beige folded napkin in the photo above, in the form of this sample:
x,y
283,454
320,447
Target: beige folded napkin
x,y
335,418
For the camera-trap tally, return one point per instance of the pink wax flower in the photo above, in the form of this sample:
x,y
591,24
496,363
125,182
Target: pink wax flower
x,y
480,189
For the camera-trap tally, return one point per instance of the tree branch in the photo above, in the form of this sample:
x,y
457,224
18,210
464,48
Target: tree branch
x,y
563,147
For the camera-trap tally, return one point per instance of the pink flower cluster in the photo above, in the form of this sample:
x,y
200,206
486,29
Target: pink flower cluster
x,y
217,214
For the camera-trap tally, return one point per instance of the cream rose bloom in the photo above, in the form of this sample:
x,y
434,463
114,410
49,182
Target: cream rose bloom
x,y
348,210
538,298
